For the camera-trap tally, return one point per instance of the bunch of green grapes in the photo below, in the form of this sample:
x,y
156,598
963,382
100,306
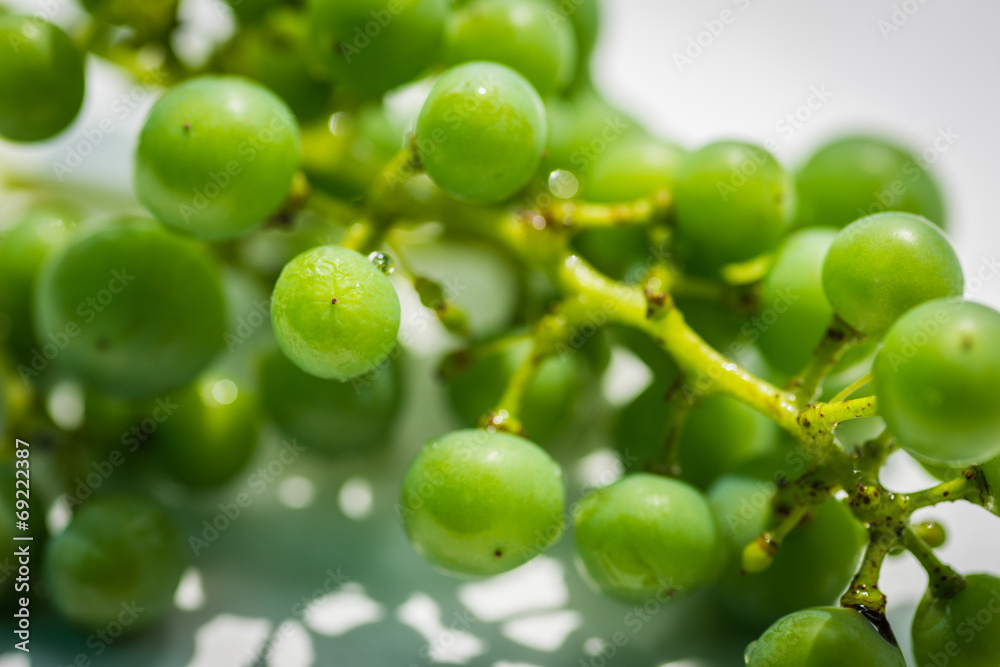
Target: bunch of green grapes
x,y
268,287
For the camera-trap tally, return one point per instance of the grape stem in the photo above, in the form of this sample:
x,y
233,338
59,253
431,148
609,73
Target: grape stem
x,y
851,388
942,581
967,486
579,215
839,338
864,592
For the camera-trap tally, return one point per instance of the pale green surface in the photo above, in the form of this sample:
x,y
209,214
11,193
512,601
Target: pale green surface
x,y
647,537
881,266
41,79
954,629
733,202
146,307
216,156
481,132
936,380
339,340
478,503
824,637
520,34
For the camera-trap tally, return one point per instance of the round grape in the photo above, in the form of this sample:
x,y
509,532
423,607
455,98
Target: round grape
x,y
881,266
478,503
40,230
941,624
824,637
116,551
41,79
853,177
212,434
577,129
647,537
733,202
814,565
130,308
375,46
216,156
633,168
936,377
517,33
481,132
327,415
334,313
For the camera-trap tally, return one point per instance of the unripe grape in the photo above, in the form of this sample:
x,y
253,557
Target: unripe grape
x,y
334,313
212,434
517,33
216,156
116,551
478,503
939,625
936,377
881,266
647,537
824,637
853,177
133,309
327,415
580,129
733,202
39,231
41,79
374,46
481,132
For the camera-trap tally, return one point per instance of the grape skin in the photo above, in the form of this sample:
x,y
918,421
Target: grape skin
x,y
41,79
824,637
334,314
216,156
647,537
118,550
936,378
881,266
481,132
941,625
477,503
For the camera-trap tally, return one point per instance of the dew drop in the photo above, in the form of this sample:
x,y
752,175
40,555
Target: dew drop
x,y
748,652
382,262
563,184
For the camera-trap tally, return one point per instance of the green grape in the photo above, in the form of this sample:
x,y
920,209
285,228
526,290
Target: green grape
x,y
343,156
216,156
327,415
581,129
647,537
41,79
118,554
952,631
147,21
633,168
274,54
814,566
38,231
481,132
584,16
375,46
517,33
991,469
130,308
213,433
733,202
824,637
854,177
477,503
334,313
935,379
881,266
548,402
719,437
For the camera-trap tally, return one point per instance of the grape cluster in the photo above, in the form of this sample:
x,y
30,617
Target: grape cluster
x,y
760,298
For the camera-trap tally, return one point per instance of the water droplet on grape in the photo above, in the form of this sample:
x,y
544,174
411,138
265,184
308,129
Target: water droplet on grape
x,y
382,262
748,651
563,184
